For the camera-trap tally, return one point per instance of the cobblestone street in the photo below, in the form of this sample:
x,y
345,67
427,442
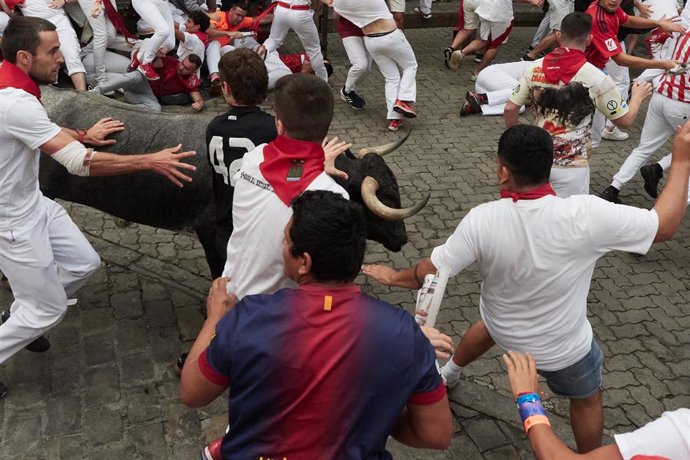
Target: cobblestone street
x,y
107,387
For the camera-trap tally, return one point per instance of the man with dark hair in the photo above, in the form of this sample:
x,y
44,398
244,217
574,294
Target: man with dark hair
x,y
42,253
536,253
224,30
271,176
286,356
564,90
192,36
244,82
178,83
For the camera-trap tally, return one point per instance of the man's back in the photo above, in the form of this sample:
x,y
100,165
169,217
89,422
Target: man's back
x,y
319,372
572,141
536,259
254,262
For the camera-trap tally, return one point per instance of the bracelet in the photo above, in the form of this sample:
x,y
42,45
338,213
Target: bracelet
x,y
536,420
527,397
420,283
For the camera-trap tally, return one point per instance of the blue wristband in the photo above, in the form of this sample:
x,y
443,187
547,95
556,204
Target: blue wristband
x,y
528,409
528,397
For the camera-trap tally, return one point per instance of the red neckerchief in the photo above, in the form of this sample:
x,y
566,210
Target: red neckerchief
x,y
203,36
12,76
534,194
116,20
283,153
12,3
563,64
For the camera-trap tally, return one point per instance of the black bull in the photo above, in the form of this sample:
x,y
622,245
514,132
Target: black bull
x,y
150,199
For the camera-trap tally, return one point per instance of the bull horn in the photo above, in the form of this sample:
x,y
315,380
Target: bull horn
x,y
385,149
369,188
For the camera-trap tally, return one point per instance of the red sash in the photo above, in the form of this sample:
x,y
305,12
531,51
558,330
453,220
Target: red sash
x,y
117,21
562,64
534,194
290,165
12,76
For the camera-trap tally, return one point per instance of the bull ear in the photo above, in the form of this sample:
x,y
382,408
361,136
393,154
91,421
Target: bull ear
x,y
371,201
385,149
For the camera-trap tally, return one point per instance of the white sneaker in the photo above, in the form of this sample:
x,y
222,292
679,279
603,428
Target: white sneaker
x,y
614,135
473,77
455,58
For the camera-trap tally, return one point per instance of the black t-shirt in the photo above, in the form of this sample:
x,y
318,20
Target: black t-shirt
x,y
228,138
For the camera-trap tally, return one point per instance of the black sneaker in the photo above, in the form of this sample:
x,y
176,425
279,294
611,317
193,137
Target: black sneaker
x,y
40,345
3,390
478,57
525,57
610,193
352,98
447,53
652,174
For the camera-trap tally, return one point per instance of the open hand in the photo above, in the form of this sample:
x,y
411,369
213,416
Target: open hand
x,y
219,302
168,163
522,372
380,273
96,135
332,149
442,343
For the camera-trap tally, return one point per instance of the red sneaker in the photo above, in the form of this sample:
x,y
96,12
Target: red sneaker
x,y
134,62
405,109
212,451
394,125
148,71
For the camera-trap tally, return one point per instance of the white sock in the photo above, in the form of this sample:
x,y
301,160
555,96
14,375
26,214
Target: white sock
x,y
451,371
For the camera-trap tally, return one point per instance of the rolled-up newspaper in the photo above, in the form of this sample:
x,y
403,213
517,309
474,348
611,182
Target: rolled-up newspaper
x,y
429,297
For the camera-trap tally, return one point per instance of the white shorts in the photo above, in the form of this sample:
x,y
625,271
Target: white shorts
x,y
490,31
396,6
471,19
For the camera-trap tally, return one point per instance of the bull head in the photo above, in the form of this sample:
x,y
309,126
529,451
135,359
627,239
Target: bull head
x,y
372,183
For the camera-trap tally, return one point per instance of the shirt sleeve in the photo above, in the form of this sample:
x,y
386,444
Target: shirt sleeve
x,y
665,437
216,362
609,100
615,227
459,251
622,16
430,388
30,123
521,94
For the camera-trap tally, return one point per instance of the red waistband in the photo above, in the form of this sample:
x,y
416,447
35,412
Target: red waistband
x,y
294,7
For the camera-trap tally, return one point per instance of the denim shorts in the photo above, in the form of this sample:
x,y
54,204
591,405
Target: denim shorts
x,y
580,380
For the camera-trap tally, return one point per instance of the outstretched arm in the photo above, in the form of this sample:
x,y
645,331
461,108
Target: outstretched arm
x,y
412,277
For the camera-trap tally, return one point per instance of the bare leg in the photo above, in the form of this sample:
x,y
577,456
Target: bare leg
x,y
79,81
587,421
475,45
461,37
489,56
475,342
545,43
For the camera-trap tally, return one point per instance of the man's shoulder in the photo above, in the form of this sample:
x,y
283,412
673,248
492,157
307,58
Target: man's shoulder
x,y
225,123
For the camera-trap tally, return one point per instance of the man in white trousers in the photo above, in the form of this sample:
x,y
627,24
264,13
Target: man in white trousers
x,y
493,89
42,252
668,109
390,50
360,61
298,16
157,14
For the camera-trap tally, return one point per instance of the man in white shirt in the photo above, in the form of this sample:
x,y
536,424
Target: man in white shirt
x,y
536,253
42,252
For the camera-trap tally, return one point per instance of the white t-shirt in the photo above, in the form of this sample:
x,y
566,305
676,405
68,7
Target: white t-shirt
x,y
495,10
667,436
536,259
4,19
362,12
24,126
259,217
